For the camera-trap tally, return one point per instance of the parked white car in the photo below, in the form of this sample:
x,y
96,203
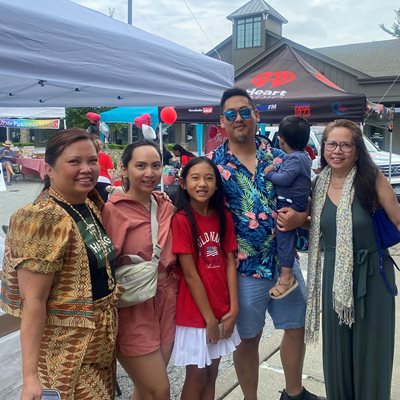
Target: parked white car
x,y
381,158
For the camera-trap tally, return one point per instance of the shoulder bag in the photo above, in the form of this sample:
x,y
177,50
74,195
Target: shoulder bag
x,y
139,279
386,235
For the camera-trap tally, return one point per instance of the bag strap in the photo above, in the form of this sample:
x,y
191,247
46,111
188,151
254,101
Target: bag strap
x,y
154,229
393,291
153,220
155,256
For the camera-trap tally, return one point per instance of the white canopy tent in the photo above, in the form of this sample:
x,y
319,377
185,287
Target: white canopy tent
x,y
58,53
32,112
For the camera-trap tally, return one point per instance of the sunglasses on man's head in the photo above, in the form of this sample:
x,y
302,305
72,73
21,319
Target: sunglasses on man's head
x,y
231,114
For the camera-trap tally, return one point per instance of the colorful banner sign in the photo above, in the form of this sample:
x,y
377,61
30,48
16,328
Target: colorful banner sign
x,y
30,123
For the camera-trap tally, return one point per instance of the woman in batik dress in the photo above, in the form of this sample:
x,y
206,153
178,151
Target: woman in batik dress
x,y
59,278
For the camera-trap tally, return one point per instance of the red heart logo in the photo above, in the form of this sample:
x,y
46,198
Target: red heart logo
x,y
277,78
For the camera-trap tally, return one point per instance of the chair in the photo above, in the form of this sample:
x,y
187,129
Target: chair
x,y
17,169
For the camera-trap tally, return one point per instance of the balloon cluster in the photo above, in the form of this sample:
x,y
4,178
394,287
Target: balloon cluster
x,y
95,118
143,122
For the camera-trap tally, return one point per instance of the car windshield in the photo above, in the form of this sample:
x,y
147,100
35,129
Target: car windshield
x,y
368,144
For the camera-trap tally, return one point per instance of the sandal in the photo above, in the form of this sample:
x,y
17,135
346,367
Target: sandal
x,y
278,294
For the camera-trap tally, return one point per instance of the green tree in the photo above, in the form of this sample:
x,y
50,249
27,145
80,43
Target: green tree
x,y
395,27
76,117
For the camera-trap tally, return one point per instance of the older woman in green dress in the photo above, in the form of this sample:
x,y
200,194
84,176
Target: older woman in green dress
x,y
358,311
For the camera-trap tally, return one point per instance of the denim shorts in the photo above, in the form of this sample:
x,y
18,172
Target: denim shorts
x,y
255,301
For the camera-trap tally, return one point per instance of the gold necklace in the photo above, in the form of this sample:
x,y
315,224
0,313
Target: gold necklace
x,y
336,187
95,231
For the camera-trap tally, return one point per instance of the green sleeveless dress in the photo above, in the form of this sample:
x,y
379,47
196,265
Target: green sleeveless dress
x,y
358,361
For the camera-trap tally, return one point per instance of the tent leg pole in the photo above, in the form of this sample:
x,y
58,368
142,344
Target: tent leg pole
x,y
161,150
390,154
129,133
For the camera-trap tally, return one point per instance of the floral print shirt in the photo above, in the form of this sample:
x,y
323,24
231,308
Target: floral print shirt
x,y
252,202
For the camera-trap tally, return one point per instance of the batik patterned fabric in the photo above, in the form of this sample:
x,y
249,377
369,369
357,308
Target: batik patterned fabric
x,y
80,362
252,201
77,354
44,238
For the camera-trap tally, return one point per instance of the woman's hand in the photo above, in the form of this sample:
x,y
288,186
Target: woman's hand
x,y
229,320
31,389
163,195
212,331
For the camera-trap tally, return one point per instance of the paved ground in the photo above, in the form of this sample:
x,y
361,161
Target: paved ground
x,y
271,376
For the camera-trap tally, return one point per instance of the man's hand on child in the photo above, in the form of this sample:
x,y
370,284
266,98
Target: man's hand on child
x,y
289,219
269,168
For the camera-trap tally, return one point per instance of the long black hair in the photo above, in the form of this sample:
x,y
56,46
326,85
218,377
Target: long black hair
x,y
367,171
216,202
183,151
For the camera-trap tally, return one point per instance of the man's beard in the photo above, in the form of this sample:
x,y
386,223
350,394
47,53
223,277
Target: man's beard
x,y
241,138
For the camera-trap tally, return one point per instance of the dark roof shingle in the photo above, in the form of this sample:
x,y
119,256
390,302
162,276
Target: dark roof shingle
x,y
381,58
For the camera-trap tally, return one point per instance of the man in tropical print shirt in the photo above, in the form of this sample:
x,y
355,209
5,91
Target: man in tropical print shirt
x,y
251,199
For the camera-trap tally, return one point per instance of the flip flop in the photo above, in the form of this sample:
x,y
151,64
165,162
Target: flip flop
x,y
290,287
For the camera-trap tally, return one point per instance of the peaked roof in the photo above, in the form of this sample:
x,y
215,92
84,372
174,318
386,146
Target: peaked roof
x,y
284,42
376,59
257,7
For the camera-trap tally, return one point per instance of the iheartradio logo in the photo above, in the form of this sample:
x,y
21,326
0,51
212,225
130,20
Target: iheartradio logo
x,y
276,79
207,110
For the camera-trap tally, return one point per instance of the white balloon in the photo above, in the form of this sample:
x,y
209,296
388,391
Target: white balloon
x,y
148,132
104,129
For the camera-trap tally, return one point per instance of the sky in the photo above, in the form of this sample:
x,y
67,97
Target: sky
x,y
312,23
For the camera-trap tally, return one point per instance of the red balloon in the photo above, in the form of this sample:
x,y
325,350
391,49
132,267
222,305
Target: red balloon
x,y
168,115
93,117
143,119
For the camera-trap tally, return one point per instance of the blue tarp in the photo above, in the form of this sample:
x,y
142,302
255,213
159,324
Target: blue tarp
x,y
128,114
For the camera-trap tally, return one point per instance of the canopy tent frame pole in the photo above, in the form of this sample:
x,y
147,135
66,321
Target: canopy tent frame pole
x,y
390,154
130,127
160,136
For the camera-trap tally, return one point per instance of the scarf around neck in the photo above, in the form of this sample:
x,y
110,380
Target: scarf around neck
x,y
343,299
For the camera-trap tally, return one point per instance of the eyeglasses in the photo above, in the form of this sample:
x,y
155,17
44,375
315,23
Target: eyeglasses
x,y
231,114
345,147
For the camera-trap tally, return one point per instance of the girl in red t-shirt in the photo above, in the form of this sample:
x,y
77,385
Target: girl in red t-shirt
x,y
207,305
184,155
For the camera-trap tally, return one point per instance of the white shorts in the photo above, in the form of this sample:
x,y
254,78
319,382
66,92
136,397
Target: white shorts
x,y
191,348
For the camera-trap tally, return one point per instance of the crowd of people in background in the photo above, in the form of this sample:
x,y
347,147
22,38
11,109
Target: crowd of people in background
x,y
227,258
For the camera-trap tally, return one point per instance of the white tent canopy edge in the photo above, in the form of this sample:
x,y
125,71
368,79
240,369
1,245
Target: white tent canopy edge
x,y
58,53
32,112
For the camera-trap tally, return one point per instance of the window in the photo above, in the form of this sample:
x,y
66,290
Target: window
x,y
248,33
